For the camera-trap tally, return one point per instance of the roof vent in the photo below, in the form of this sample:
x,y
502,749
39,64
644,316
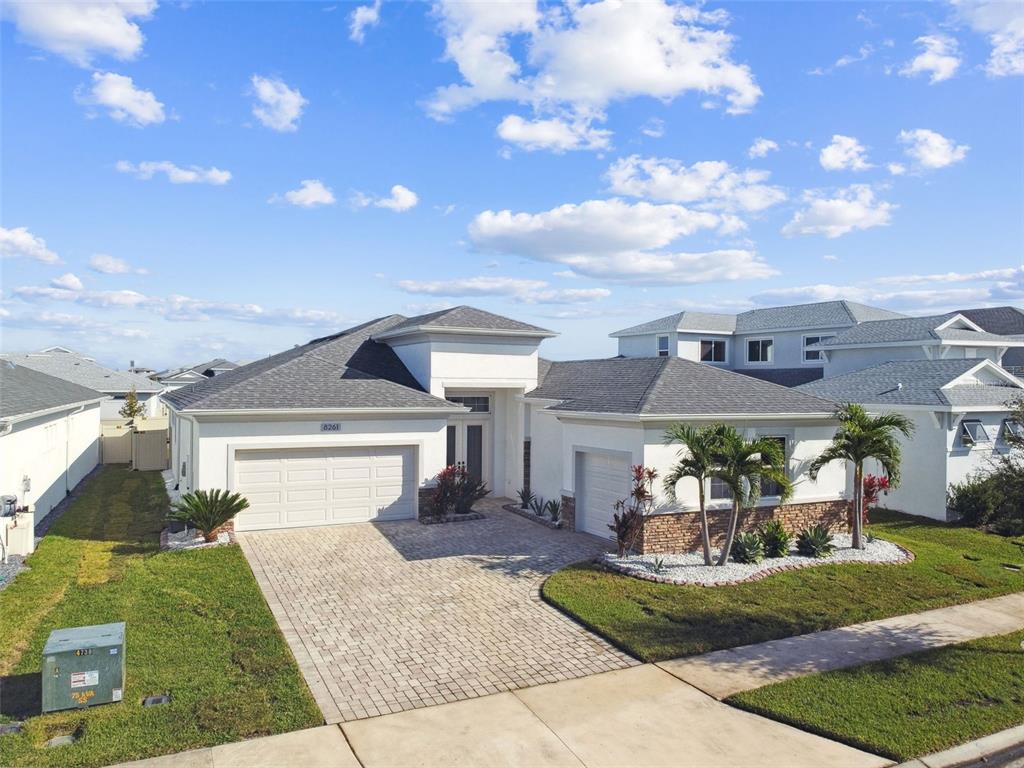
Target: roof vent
x,y
899,387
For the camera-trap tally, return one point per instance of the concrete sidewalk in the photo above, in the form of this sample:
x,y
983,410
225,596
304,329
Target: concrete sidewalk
x,y
636,716
723,673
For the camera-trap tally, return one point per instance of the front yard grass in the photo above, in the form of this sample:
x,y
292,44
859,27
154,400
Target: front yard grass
x,y
909,706
663,621
197,627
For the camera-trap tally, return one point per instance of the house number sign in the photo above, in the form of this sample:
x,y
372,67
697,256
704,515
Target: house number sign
x,y
330,426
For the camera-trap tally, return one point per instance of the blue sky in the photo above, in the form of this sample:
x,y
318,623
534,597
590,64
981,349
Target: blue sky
x,y
185,181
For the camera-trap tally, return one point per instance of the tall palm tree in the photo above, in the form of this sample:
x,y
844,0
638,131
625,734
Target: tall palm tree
x,y
861,437
696,460
742,466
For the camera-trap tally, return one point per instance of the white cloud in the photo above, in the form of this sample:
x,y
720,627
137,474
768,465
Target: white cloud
x,y
897,169
74,324
194,174
278,107
67,281
521,290
1007,273
310,194
579,58
111,265
844,153
362,17
122,100
616,241
655,128
20,242
830,257
761,147
554,134
852,208
78,31
932,150
712,184
863,53
1003,22
100,299
401,199
939,58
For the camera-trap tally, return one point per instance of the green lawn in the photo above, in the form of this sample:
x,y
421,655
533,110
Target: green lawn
x,y
910,706
662,621
198,627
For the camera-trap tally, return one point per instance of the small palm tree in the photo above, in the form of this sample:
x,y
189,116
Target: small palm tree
x,y
208,510
861,437
742,465
696,460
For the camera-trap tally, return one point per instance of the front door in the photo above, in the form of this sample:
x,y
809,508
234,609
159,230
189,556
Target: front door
x,y
467,447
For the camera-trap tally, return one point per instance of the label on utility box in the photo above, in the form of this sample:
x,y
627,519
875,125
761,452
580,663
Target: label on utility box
x,y
117,695
85,679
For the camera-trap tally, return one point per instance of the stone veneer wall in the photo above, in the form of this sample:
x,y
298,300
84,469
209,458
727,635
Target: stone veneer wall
x,y
526,465
679,532
425,495
568,514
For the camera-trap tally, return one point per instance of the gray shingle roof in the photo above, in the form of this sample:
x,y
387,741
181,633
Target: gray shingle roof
x,y
667,386
201,369
821,314
84,371
347,370
25,390
464,317
907,329
921,380
1005,321
786,377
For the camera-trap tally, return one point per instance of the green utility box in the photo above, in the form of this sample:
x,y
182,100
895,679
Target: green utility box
x,y
83,666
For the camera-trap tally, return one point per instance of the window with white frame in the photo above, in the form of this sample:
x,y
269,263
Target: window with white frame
x,y
663,346
760,350
768,487
719,490
1013,431
972,432
814,355
712,350
475,403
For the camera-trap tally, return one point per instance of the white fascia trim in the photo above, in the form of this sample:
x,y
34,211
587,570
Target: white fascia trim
x,y
56,409
647,417
989,366
959,318
875,407
452,330
439,412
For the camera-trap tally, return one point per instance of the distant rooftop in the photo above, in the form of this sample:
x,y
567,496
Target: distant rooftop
x,y
84,371
24,390
463,318
909,329
822,314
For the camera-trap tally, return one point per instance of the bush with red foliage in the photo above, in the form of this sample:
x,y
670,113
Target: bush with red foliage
x,y
628,519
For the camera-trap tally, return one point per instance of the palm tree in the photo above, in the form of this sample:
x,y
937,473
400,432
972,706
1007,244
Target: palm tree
x,y
742,465
861,437
696,460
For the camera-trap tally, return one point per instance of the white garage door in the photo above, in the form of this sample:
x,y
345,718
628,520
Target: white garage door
x,y
289,488
604,479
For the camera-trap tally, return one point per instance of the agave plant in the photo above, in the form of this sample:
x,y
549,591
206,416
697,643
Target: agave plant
x,y
208,510
537,504
526,497
747,549
815,541
554,509
776,538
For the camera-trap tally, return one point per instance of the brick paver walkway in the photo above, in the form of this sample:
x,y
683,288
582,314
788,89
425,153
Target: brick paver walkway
x,y
394,616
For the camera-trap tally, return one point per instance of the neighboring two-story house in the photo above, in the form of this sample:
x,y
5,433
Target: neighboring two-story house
x,y
775,343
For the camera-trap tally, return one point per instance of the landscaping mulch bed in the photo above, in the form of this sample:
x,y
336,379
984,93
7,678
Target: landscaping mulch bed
x,y
192,539
547,522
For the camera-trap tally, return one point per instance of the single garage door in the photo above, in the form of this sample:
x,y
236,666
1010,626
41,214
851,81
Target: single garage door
x,y
603,480
288,488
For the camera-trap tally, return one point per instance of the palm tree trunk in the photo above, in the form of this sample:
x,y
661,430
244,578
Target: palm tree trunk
x,y
858,504
724,557
705,535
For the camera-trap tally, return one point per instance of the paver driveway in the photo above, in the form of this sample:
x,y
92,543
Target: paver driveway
x,y
394,616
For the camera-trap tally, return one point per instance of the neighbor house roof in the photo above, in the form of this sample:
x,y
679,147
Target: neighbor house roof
x,y
347,370
202,369
918,382
910,329
667,386
821,314
84,371
463,319
1006,321
787,377
24,390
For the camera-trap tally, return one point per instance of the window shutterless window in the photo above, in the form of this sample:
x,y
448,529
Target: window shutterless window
x,y
813,355
712,351
1012,429
474,403
663,346
769,488
759,351
972,432
718,490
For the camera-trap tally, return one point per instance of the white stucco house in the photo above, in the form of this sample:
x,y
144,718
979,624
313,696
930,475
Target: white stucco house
x,y
71,366
354,426
49,436
961,411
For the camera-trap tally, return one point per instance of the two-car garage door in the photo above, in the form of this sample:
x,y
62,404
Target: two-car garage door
x,y
289,488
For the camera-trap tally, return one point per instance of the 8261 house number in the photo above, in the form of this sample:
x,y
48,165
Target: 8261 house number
x,y
330,426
